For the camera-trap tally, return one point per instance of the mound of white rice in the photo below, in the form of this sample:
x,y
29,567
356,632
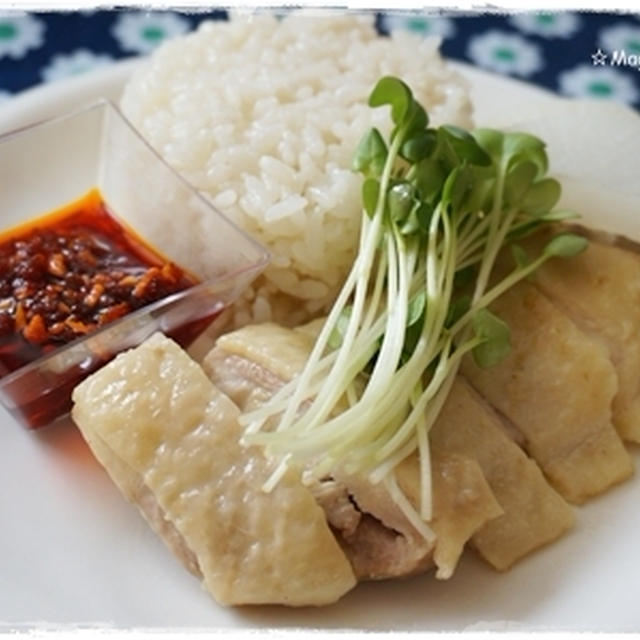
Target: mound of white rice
x,y
263,116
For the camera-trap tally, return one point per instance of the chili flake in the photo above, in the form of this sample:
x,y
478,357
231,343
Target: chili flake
x,y
71,272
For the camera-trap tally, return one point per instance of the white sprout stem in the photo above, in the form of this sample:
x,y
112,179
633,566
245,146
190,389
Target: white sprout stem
x,y
398,302
376,294
379,473
418,414
352,395
254,420
429,392
329,394
276,475
508,228
396,403
393,286
516,276
352,422
356,277
398,393
432,257
473,240
494,249
361,458
298,392
435,393
489,296
365,347
445,252
408,509
473,224
424,456
299,388
448,273
343,428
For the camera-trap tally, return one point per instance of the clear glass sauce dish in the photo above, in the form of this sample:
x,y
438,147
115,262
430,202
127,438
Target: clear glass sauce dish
x,y
47,166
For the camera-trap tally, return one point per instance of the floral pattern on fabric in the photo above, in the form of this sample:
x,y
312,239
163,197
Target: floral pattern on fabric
x,y
547,25
143,32
620,36
418,23
80,61
602,83
19,33
571,52
505,53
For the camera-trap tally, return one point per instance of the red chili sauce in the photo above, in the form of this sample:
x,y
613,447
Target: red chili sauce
x,y
68,274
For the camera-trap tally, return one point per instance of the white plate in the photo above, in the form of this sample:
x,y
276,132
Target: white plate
x,y
75,553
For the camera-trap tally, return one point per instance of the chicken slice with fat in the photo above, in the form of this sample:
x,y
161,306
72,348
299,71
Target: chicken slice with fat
x,y
534,513
556,386
600,291
170,441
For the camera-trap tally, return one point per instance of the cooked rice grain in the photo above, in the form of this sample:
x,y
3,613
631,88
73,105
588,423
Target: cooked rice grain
x,y
263,116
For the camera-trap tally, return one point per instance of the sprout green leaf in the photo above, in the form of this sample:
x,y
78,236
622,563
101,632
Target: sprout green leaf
x,y
518,142
541,197
566,245
370,191
491,141
370,154
518,181
493,336
394,92
419,147
457,187
416,307
465,146
520,256
400,201
428,177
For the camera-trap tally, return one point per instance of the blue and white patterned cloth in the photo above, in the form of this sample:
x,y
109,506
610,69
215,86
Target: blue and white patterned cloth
x,y
573,53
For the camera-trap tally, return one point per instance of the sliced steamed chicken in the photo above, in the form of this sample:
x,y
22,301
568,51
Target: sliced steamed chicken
x,y
252,363
170,441
556,387
534,513
600,291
